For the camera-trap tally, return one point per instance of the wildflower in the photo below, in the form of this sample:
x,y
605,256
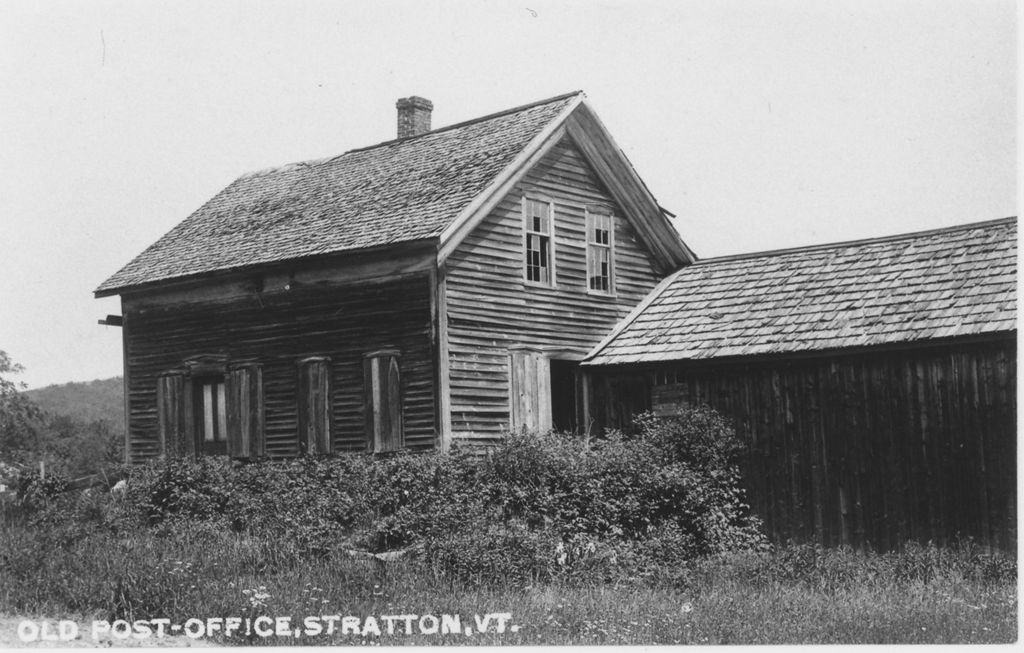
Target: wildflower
x,y
686,607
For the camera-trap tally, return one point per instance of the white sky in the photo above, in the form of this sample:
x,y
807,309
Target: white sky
x,y
761,124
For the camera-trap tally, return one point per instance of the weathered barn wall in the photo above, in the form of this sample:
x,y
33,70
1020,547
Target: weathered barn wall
x,y
490,307
871,449
278,329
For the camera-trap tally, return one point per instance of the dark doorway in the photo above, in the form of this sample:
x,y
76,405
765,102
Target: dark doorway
x,y
564,395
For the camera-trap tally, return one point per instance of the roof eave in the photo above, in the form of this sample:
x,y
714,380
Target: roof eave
x,y
618,174
920,343
200,277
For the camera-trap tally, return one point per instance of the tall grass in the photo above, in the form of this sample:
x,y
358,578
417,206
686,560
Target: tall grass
x,y
797,594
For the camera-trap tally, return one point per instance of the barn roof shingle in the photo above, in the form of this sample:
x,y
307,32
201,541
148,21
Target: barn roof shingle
x,y
398,191
958,281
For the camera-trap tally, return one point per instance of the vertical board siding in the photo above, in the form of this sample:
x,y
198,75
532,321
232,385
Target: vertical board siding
x,y
384,413
173,418
245,412
490,308
277,331
314,406
869,450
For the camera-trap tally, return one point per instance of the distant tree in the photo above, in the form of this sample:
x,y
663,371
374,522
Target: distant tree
x,y
86,401
78,447
18,414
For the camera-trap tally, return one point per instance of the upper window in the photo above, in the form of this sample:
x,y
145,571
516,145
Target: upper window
x,y
600,252
537,231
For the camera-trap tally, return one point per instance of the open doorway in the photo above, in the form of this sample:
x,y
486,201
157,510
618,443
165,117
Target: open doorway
x,y
565,393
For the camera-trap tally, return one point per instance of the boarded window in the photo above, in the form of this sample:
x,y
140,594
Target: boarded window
x,y
315,406
537,231
173,410
383,388
529,390
600,248
244,419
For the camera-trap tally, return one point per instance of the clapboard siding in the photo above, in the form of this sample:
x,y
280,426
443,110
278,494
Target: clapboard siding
x,y
490,308
872,449
278,330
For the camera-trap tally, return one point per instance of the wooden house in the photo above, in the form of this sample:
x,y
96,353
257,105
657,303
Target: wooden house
x,y
441,286
873,382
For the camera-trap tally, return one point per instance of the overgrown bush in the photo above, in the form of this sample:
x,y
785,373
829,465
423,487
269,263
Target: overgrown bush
x,y
680,471
34,493
534,508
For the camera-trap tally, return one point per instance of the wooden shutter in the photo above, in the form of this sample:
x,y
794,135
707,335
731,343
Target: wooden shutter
x,y
529,390
245,421
174,415
315,406
383,388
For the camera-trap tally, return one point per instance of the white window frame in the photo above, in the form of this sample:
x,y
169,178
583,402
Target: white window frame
x,y
528,231
592,214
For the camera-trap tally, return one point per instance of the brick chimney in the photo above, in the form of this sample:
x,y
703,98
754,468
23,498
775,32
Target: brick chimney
x,y
413,116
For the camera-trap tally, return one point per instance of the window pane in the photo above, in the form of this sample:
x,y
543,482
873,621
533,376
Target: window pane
x,y
208,434
599,267
532,260
545,270
538,241
222,414
600,228
538,216
537,254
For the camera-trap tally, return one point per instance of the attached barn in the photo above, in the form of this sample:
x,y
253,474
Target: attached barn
x,y
874,382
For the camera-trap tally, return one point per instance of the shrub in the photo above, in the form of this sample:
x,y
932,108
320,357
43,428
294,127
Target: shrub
x,y
537,506
679,471
33,493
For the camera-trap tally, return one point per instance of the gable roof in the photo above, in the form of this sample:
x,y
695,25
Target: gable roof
x,y
413,189
959,281
397,191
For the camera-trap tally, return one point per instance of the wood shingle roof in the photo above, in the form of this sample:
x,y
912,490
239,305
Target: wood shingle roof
x,y
398,191
960,281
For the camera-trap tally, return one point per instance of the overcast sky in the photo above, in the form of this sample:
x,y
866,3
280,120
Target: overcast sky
x,y
760,124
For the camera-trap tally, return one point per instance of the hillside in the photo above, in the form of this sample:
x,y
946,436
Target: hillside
x,y
88,401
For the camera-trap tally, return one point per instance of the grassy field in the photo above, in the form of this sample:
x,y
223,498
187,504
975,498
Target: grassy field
x,y
548,540
794,595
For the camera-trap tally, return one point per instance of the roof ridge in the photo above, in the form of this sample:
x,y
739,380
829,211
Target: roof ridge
x,y
314,162
464,123
850,243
